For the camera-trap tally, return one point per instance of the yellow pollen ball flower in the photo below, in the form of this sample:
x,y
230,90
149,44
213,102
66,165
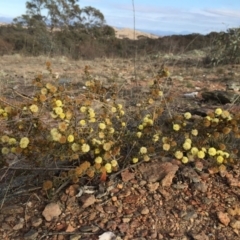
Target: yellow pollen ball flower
x,y
107,146
178,154
58,110
187,115
220,159
140,127
83,109
194,151
82,122
212,151
123,124
143,150
102,126
184,160
176,127
166,147
108,167
146,158
187,146
58,103
24,142
188,140
114,109
111,130
12,141
194,132
5,138
201,154
139,134
70,138
75,147
114,163
85,148
218,111
135,160
5,150
98,160
119,106
33,108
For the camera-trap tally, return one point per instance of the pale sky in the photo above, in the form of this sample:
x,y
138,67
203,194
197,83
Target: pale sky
x,y
198,16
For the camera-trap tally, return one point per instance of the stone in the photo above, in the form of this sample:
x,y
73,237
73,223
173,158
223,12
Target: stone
x,y
51,211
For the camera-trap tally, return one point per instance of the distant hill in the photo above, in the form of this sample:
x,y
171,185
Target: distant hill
x,y
129,33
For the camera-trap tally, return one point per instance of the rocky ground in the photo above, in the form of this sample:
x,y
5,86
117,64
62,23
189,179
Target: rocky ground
x,y
158,200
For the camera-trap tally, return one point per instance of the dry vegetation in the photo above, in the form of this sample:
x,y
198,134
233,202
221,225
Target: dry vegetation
x,y
147,165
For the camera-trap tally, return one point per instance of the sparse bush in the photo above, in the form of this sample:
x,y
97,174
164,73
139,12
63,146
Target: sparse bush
x,y
97,135
226,48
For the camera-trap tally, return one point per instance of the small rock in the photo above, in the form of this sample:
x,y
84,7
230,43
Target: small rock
x,y
19,225
235,224
145,211
36,221
153,186
51,211
87,200
223,218
31,235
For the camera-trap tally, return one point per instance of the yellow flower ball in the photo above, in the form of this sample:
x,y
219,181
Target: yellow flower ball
x,y
12,141
5,150
82,122
187,146
75,147
108,167
98,160
92,120
102,126
220,159
58,103
70,138
96,150
33,108
176,127
44,91
164,139
146,158
226,154
62,115
114,163
160,93
150,122
155,137
187,115
194,132
123,124
208,118
107,146
24,142
58,110
111,130
184,160
113,109
83,109
122,113
215,120
178,154
91,114
188,140
166,147
143,150
101,135
212,151
85,148
194,151
201,154
139,134
5,139
225,114
135,160
119,106
218,111
140,127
